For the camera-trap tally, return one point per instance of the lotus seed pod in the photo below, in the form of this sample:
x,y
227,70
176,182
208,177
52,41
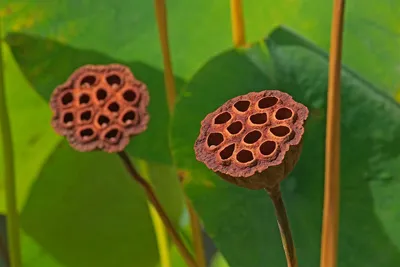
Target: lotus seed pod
x,y
100,107
253,140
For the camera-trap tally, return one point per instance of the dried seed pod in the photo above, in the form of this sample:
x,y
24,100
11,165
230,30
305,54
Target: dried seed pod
x,y
100,107
253,140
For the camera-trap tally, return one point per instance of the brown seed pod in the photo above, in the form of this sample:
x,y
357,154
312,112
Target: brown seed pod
x,y
253,140
100,107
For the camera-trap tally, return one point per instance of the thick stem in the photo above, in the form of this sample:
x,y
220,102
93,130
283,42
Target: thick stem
x,y
159,208
284,228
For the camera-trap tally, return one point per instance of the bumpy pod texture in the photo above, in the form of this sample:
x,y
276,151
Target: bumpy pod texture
x,y
100,107
253,140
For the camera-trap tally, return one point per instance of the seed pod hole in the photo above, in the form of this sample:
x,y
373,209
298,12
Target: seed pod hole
x,y
252,137
129,117
86,133
101,94
215,139
84,99
129,95
103,121
259,118
280,131
267,102
242,106
235,127
222,118
68,118
113,80
113,135
86,115
283,114
267,148
244,156
67,98
90,80
227,152
113,107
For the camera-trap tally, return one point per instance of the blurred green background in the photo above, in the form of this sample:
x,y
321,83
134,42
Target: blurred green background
x,y
81,209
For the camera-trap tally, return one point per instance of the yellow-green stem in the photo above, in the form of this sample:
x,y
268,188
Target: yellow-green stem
x,y
161,15
161,235
9,175
237,21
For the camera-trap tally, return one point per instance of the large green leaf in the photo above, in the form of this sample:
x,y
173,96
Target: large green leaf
x,y
84,210
242,221
48,63
126,30
33,137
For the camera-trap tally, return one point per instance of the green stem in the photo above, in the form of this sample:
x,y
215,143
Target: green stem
x,y
8,157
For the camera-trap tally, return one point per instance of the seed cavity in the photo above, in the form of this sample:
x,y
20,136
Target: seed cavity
x,y
244,156
113,107
283,114
86,115
227,152
103,121
113,135
267,102
67,98
101,94
215,139
84,99
113,80
267,148
129,95
280,131
222,118
68,118
235,127
252,137
129,117
242,105
86,134
259,118
90,80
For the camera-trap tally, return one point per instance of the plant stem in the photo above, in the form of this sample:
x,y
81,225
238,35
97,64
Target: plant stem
x,y
161,212
169,80
8,157
161,235
284,228
197,235
237,21
161,14
330,229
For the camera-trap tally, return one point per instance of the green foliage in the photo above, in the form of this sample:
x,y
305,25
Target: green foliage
x,y
68,212
241,221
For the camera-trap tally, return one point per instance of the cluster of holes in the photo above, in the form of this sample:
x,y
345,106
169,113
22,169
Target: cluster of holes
x,y
266,147
103,120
